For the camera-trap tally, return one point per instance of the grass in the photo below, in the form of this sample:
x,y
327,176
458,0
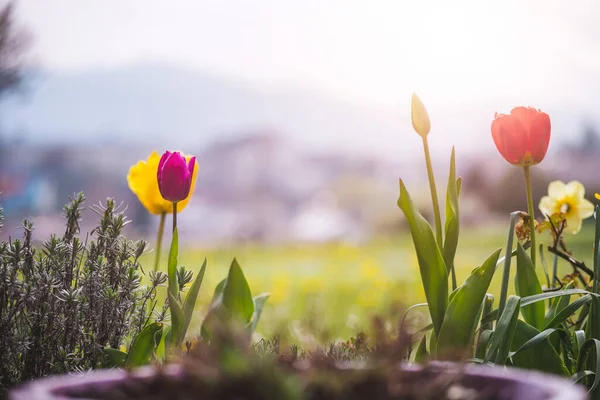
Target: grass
x,y
325,292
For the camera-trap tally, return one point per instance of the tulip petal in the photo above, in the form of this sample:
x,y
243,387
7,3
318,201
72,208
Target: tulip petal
x,y
539,136
557,190
537,130
191,164
510,138
575,190
547,205
164,159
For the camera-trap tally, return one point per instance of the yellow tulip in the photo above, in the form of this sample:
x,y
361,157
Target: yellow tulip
x,y
143,182
419,116
568,199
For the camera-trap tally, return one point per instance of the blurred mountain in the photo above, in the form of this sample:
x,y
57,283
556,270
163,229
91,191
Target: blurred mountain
x,y
182,108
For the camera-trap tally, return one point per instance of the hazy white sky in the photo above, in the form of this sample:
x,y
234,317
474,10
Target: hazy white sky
x,y
367,51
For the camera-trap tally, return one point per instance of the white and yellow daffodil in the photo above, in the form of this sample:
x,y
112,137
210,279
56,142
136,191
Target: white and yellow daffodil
x,y
568,199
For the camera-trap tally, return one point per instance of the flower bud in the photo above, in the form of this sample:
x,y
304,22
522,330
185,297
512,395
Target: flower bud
x,y
419,116
175,176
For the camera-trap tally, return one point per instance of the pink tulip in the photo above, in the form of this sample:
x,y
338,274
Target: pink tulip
x,y
175,176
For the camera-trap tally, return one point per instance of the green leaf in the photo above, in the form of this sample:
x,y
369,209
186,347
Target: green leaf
x,y
525,301
588,346
172,265
482,343
461,319
177,333
218,294
596,249
527,284
592,330
165,338
114,358
190,300
259,303
422,355
537,339
488,305
452,225
489,317
558,305
541,357
143,346
575,378
215,311
580,336
431,263
502,338
236,294
567,311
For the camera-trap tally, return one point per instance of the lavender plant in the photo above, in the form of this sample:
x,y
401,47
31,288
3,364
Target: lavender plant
x,y
63,302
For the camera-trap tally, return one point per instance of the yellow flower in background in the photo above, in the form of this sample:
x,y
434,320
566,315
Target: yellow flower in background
x,y
568,199
143,182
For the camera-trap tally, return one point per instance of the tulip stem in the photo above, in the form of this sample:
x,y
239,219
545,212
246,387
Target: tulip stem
x,y
174,216
434,196
530,211
161,229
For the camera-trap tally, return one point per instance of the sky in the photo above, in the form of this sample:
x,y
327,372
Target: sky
x,y
371,52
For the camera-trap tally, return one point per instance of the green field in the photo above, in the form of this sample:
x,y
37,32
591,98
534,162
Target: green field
x,y
329,291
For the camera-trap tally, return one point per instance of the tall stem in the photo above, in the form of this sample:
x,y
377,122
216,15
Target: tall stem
x,y
434,196
174,216
531,212
161,229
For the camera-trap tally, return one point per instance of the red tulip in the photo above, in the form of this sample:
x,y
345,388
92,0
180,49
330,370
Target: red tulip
x,y
523,136
175,176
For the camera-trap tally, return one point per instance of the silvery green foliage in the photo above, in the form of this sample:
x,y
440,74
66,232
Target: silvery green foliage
x,y
64,301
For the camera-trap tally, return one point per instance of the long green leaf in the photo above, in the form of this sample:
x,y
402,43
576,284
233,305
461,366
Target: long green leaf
x,y
488,305
580,336
527,284
592,330
537,339
489,317
143,346
236,294
165,339
172,265
582,360
567,311
218,294
461,318
558,304
595,287
431,263
177,333
482,343
575,378
452,225
525,301
114,358
215,311
502,337
409,309
259,303
541,357
422,355
190,299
